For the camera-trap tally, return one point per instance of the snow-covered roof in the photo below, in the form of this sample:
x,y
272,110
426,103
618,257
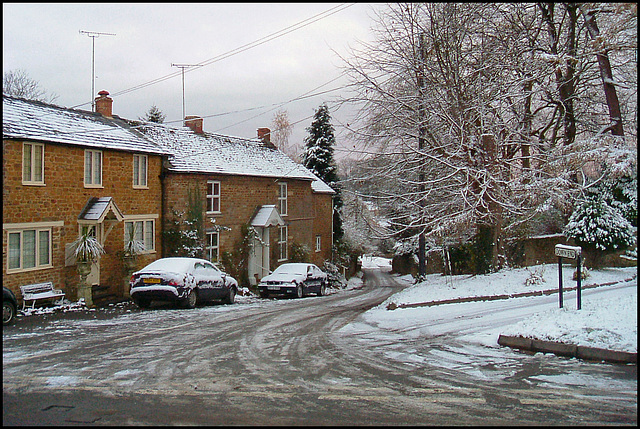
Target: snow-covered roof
x,y
190,152
219,154
36,121
266,216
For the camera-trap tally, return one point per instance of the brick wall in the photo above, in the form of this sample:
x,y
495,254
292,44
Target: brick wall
x,y
323,226
62,199
308,215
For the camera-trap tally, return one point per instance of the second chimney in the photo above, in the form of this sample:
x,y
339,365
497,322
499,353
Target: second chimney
x,y
264,134
195,123
104,104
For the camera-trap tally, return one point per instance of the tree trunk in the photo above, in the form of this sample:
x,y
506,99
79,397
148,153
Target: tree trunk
x,y
422,131
605,72
526,127
564,81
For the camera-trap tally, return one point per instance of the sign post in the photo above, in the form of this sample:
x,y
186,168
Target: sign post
x,y
571,252
560,280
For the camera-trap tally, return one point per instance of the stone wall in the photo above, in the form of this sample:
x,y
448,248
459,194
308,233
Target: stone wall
x,y
522,253
308,215
62,199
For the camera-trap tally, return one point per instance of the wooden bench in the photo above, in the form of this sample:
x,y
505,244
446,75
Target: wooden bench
x,y
38,291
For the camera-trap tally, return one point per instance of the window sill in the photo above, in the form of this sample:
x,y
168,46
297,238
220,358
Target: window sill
x,y
33,184
27,270
93,186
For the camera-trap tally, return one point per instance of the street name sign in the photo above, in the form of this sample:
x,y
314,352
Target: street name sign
x,y
571,252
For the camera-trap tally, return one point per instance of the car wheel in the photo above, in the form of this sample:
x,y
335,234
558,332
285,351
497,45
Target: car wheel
x,y
299,291
232,296
323,289
192,299
8,312
143,303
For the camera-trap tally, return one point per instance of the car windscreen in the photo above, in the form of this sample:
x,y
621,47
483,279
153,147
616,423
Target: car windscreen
x,y
170,265
296,269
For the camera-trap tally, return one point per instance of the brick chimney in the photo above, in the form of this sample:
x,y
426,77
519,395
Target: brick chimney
x,y
195,123
104,104
264,134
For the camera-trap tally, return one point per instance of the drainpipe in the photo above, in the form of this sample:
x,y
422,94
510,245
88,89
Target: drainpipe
x,y
332,209
162,177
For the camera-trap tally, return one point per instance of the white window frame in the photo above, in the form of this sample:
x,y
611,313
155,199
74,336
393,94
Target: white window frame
x,y
213,196
140,171
144,231
93,168
318,243
212,249
282,198
39,228
283,232
29,177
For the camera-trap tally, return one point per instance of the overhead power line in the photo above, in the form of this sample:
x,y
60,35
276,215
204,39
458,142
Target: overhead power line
x,y
245,47
235,51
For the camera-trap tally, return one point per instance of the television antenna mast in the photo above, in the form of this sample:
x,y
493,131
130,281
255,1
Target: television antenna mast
x,y
184,66
93,35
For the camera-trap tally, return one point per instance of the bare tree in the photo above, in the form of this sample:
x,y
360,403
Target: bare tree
x,y
17,83
567,58
602,46
466,105
281,129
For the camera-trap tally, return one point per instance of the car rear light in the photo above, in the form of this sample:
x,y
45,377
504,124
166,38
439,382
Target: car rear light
x,y
173,283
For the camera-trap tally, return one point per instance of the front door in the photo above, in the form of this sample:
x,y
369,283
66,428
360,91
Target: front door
x,y
95,231
259,256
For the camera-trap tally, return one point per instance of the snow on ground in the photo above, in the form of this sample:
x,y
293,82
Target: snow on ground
x,y
610,323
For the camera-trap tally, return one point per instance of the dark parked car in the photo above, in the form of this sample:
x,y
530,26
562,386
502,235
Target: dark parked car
x,y
297,279
184,281
9,306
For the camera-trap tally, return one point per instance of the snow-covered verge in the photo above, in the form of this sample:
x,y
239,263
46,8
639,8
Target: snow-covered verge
x,y
604,323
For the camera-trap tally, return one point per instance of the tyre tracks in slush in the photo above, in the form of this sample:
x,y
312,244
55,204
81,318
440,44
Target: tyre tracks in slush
x,y
281,361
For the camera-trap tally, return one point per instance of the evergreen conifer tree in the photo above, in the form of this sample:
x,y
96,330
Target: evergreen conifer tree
x,y
318,157
154,115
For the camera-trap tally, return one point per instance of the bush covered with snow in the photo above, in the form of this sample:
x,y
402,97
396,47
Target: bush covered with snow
x,y
596,224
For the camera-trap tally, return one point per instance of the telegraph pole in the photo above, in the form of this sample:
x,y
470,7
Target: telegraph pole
x,y
184,66
93,35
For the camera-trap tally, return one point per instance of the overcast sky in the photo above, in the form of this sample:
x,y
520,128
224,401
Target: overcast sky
x,y
45,41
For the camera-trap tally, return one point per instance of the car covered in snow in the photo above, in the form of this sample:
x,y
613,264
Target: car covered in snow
x,y
184,281
296,279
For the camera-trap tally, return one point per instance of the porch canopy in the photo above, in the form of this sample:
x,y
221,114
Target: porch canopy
x,y
267,216
99,209
263,219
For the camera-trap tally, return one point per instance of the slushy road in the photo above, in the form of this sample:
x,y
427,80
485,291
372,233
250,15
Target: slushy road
x,y
291,362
